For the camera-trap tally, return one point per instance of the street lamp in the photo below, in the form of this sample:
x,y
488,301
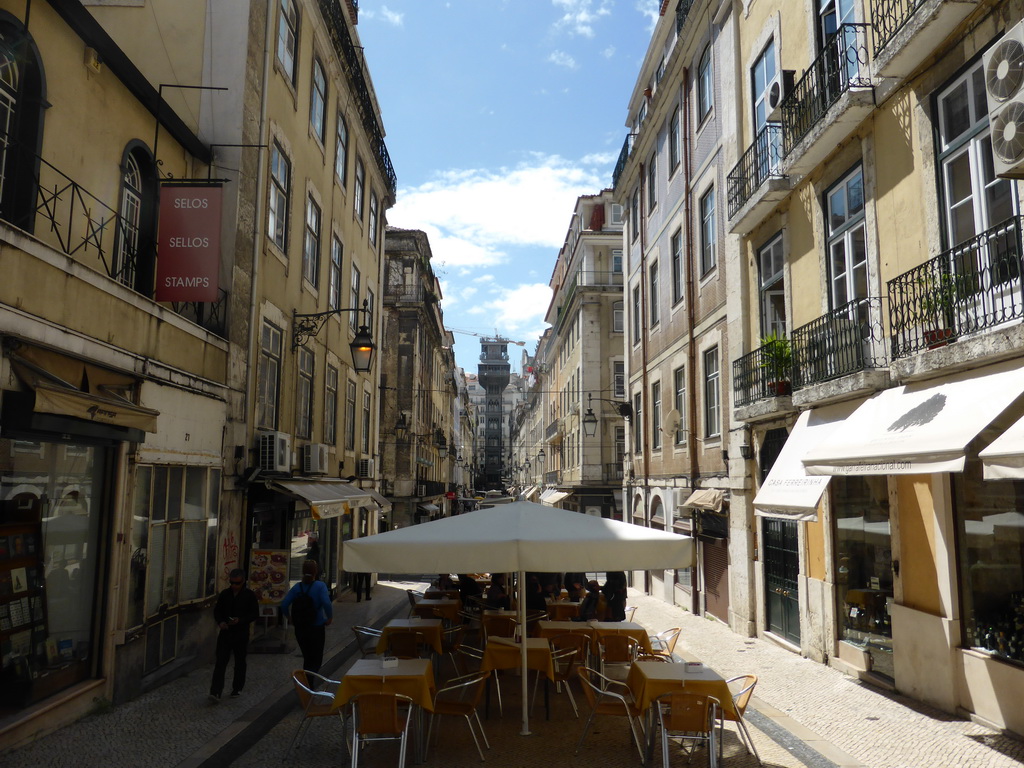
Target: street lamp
x,y
590,418
305,327
541,456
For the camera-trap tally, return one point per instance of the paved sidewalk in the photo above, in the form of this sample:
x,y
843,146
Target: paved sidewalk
x,y
803,714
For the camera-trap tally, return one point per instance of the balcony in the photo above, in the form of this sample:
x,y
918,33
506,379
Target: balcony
x,y
908,31
554,477
758,391
405,293
831,99
757,183
840,353
584,280
973,287
553,433
613,472
620,164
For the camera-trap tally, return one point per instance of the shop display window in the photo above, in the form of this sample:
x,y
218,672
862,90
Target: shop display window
x,y
864,577
51,501
990,554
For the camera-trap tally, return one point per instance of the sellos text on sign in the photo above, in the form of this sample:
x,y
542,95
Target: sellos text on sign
x,y
188,262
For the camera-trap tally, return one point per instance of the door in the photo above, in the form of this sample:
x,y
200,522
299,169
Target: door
x,y
781,569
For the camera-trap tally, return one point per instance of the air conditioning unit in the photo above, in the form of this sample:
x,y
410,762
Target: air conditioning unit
x,y
365,468
1004,78
275,451
421,490
778,89
314,459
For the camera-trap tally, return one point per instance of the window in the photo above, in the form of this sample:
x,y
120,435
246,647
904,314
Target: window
x,y
350,416
712,395
655,309
652,183
372,224
304,395
708,233
341,151
656,416
288,38
677,266
134,258
617,318
634,214
334,288
355,317
673,141
311,244
366,422
616,213
638,442
975,199
618,379
269,376
277,206
368,317
620,445
762,74
318,102
636,314
679,384
617,261
847,249
331,406
773,298
705,85
357,203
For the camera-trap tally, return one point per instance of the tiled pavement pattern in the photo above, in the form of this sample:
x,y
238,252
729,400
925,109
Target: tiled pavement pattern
x,y
804,714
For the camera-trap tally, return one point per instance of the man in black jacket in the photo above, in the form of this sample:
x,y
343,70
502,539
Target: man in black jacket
x,y
235,610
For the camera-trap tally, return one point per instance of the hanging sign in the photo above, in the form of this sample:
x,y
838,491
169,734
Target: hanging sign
x,y
188,260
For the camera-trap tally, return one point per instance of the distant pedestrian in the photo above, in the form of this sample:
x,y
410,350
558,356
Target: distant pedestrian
x,y
308,603
235,610
361,585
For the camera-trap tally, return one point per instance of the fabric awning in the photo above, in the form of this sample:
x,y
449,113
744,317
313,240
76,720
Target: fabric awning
x,y
552,496
66,386
1004,457
706,498
381,501
326,499
788,491
431,508
921,427
530,492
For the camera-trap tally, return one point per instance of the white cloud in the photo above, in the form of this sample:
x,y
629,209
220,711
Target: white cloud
x,y
562,59
608,52
391,17
651,9
579,16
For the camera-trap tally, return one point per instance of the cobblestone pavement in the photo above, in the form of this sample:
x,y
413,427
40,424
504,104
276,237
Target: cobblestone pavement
x,y
803,714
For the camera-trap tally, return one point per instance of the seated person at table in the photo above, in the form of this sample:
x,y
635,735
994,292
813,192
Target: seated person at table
x,y
468,587
551,585
444,582
534,594
588,608
495,595
575,585
614,591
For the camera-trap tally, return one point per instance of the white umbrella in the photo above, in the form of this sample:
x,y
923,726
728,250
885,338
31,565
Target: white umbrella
x,y
521,536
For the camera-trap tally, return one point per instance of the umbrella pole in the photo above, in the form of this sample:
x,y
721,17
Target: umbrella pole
x,y
524,672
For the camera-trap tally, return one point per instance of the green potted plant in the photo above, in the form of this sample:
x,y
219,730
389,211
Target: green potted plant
x,y
777,361
939,293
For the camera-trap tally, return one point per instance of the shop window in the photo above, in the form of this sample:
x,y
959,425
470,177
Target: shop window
x,y
990,555
864,575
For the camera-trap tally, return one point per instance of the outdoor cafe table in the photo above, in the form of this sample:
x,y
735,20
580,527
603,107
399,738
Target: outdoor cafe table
x,y
506,653
445,607
410,677
561,610
431,629
486,616
647,680
637,631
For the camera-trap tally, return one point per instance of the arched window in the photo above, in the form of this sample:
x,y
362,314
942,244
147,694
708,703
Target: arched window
x,y
134,246
21,102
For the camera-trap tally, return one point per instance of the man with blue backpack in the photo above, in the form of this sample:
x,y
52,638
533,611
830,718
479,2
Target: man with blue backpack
x,y
308,606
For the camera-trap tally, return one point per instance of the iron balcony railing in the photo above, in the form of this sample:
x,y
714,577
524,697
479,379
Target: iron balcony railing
x,y
554,477
620,164
613,471
847,340
553,429
351,57
841,65
83,226
969,288
890,16
403,292
682,11
754,378
761,161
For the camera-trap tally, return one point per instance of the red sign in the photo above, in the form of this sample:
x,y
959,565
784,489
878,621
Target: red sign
x,y
449,495
188,262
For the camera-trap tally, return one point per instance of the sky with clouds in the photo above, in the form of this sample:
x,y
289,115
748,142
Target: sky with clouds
x,y
499,114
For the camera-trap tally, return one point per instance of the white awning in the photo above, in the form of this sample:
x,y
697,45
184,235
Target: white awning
x,y
530,492
788,491
431,508
326,499
381,501
552,496
921,427
706,498
1004,457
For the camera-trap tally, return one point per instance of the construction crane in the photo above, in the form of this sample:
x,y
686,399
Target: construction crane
x,y
493,336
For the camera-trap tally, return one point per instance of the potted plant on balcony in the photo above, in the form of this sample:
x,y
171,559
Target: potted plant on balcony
x,y
938,295
777,362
